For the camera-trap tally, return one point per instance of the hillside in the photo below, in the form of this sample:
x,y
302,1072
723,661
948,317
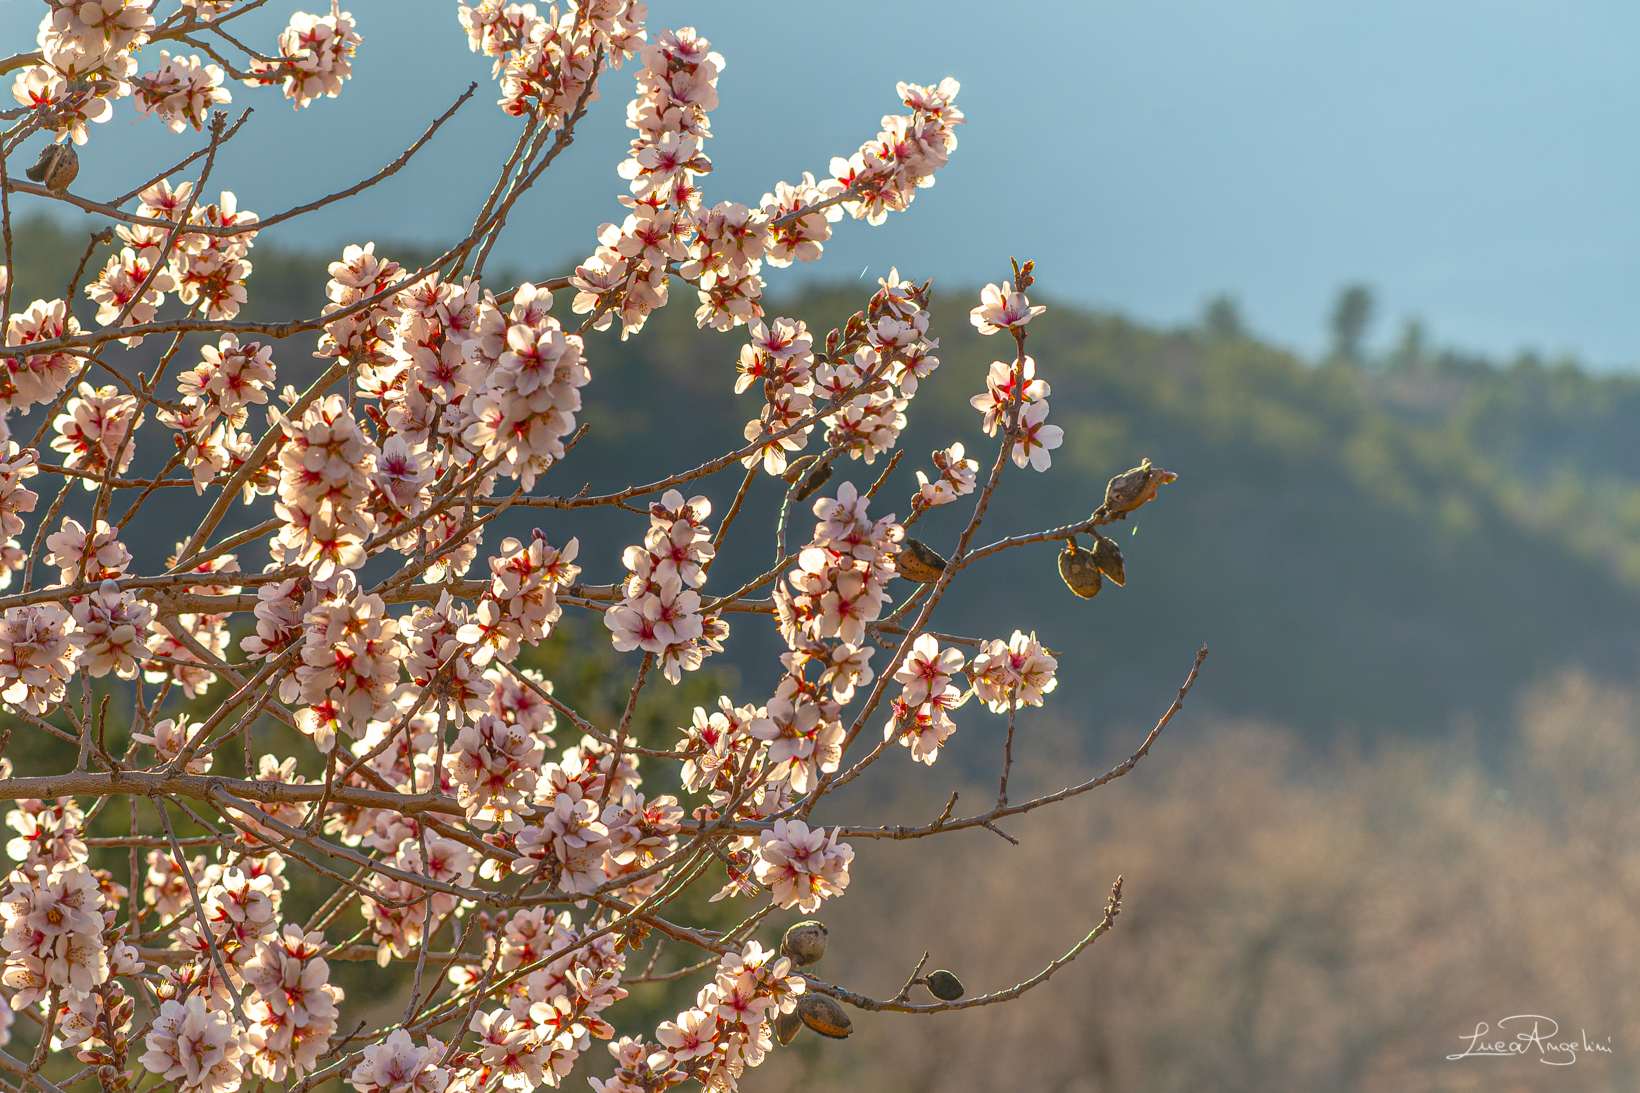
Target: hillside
x,y
1381,550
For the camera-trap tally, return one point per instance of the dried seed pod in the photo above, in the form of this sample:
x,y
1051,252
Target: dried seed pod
x,y
918,563
1130,489
56,168
1108,557
1079,570
799,467
786,1026
805,942
824,1016
812,483
944,986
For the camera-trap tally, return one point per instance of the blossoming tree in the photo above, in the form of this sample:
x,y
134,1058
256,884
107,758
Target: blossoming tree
x,y
476,823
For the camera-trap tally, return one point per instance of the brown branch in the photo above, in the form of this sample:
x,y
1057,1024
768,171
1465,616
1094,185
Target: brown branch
x,y
123,198
386,172
199,910
897,1005
202,787
989,818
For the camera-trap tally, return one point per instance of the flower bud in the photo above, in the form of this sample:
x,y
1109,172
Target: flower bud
x,y
944,986
824,1016
805,943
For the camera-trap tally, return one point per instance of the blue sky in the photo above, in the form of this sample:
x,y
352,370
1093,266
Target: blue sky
x,y
1475,161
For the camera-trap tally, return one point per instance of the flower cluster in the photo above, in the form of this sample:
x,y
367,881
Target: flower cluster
x,y
956,478
111,631
206,269
86,62
293,1012
525,398
919,719
197,1047
315,56
397,1065
324,480
661,610
494,767
723,1033
552,1017
546,64
840,583
1013,674
182,91
94,433
54,921
720,249
16,467
361,331
349,671
36,378
801,865
36,656
627,274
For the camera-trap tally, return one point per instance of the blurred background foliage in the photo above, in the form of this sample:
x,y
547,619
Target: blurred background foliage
x,y
1395,806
